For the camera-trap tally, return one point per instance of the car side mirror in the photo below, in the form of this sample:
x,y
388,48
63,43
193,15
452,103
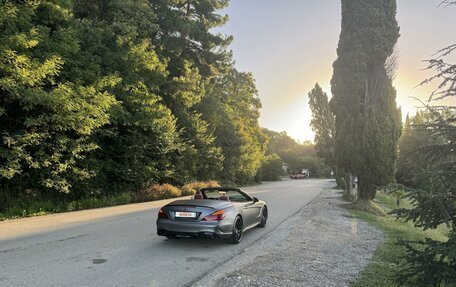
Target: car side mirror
x,y
255,200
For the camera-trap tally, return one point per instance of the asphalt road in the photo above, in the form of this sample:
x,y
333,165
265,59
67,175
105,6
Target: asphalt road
x,y
118,246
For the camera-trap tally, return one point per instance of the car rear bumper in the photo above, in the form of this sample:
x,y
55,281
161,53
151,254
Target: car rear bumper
x,y
212,229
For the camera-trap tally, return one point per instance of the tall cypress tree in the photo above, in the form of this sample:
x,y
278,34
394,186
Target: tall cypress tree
x,y
368,123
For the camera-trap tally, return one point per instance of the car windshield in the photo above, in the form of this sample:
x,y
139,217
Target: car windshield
x,y
231,195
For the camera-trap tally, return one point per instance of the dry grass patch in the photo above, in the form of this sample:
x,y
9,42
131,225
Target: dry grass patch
x,y
157,192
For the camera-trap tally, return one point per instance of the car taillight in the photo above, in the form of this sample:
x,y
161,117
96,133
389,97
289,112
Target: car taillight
x,y
162,214
218,215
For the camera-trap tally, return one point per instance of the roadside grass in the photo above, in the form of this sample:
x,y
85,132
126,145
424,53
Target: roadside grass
x,y
35,207
387,262
38,205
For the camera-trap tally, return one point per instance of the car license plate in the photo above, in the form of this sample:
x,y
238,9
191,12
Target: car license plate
x,y
185,214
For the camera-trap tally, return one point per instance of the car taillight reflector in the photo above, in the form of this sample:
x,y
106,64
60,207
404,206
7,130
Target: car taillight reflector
x,y
162,214
218,215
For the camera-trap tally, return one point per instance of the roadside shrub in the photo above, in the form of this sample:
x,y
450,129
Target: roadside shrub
x,y
24,206
120,199
29,207
271,168
157,192
88,203
192,187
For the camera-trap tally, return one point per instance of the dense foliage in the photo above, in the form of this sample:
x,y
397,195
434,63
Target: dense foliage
x,y
368,122
412,161
297,156
234,119
103,97
48,117
271,168
427,168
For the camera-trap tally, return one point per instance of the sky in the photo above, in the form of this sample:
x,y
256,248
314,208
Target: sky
x,y
289,45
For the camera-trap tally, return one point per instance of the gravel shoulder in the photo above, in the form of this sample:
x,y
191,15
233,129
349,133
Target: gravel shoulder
x,y
322,245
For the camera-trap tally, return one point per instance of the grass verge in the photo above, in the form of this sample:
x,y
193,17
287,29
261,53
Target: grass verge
x,y
28,206
35,207
385,266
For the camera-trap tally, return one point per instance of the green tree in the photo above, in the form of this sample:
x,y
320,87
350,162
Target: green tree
x,y
296,155
432,262
271,167
322,124
142,138
368,122
46,119
186,34
415,137
433,195
195,56
100,97
232,109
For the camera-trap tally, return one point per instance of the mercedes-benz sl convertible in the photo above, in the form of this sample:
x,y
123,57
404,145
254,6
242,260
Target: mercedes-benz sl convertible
x,y
217,212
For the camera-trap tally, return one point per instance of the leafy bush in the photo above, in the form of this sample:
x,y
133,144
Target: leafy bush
x,y
271,167
192,187
157,192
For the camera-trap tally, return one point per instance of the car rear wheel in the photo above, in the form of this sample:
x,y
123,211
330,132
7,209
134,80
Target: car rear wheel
x,y
264,217
238,227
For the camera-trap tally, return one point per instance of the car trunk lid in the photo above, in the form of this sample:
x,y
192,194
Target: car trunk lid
x,y
193,210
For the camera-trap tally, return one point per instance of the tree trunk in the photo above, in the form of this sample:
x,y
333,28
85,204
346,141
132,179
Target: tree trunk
x,y
349,191
366,191
339,175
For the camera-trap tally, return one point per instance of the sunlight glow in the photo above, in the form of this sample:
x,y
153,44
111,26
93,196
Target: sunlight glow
x,y
289,55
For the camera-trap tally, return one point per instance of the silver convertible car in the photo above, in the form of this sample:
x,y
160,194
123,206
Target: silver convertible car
x,y
217,212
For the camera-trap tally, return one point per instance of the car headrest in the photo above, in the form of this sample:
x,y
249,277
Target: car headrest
x,y
198,196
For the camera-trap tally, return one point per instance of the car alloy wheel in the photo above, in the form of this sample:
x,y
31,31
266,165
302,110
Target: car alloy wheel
x,y
264,217
238,226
